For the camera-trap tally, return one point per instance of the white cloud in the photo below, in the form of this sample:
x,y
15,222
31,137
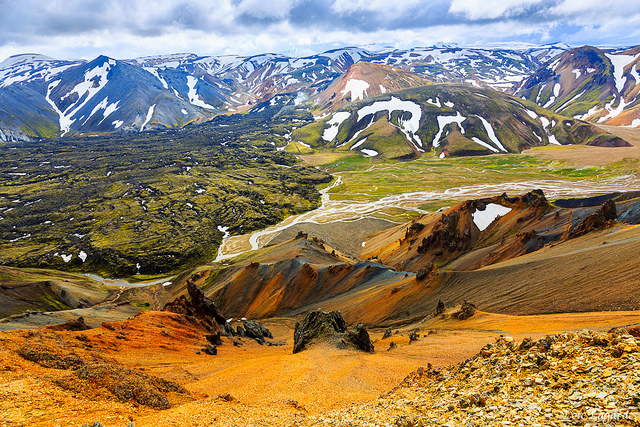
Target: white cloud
x,y
380,6
131,28
489,9
266,9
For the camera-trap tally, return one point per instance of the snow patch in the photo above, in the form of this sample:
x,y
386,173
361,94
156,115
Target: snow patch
x,y
359,143
369,153
155,73
149,116
83,256
331,132
492,134
194,98
436,102
484,144
634,124
619,62
444,121
358,89
409,127
482,219
553,140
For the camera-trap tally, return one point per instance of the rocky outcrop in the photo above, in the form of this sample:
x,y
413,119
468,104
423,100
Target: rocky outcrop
x,y
604,217
121,384
440,308
466,311
589,374
358,338
319,325
254,329
199,307
72,325
316,325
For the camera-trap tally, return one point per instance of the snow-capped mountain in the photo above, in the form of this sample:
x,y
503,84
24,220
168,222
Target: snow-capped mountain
x,y
43,97
590,84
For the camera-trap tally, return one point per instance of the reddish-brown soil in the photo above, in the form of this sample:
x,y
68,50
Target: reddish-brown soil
x,y
265,385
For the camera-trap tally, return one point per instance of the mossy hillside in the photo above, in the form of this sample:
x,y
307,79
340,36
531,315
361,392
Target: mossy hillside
x,y
510,119
152,200
597,85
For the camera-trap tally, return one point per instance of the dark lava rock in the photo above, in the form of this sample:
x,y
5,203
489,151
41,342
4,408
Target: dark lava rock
x,y
211,349
203,305
214,339
316,325
440,308
228,330
240,331
387,334
392,345
602,218
254,329
199,308
466,311
413,336
358,338
72,325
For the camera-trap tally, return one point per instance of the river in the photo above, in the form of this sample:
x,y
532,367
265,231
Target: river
x,y
349,210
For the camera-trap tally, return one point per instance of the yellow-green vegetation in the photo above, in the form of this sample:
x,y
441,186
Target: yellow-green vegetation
x,y
367,180
465,120
149,203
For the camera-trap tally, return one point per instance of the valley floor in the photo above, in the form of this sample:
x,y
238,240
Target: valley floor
x,y
251,384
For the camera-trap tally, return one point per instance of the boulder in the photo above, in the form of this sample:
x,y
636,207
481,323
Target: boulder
x,y
466,311
71,325
319,325
254,329
358,338
214,339
211,349
440,308
386,334
316,325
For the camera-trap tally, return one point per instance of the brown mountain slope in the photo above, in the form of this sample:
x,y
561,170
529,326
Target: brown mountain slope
x,y
366,80
537,258
39,289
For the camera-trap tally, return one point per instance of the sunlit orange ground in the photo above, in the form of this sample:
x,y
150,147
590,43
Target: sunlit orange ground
x,y
270,385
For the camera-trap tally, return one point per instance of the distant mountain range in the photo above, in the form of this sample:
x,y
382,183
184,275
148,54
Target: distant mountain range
x,y
44,97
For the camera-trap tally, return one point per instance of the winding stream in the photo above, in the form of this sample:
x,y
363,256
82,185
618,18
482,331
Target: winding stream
x,y
122,282
339,210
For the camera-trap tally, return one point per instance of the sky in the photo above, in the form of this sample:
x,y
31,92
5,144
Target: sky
x,y
123,29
